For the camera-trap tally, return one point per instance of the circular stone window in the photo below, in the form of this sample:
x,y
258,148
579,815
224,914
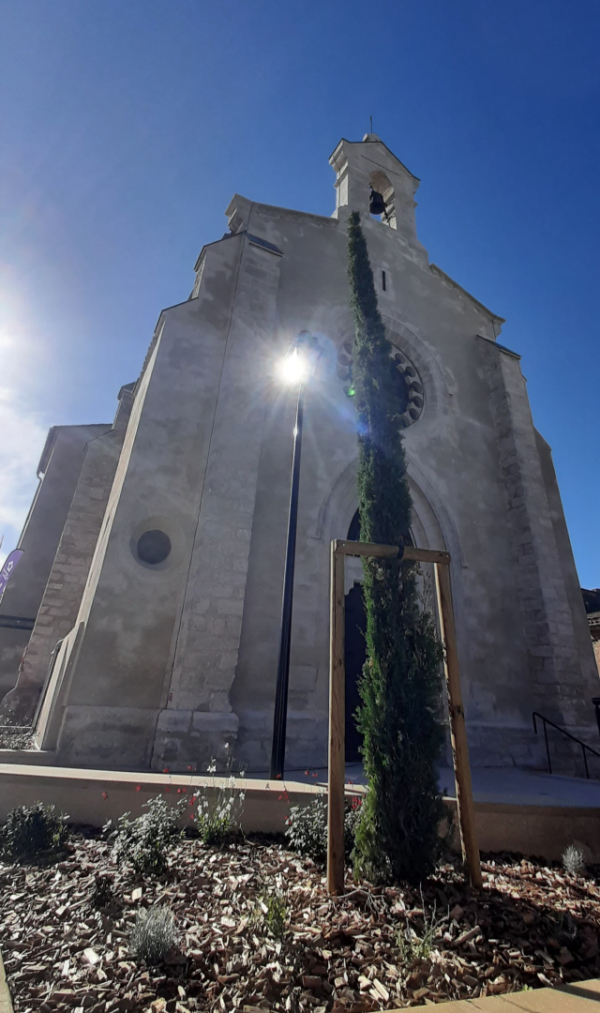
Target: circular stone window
x,y
153,547
410,388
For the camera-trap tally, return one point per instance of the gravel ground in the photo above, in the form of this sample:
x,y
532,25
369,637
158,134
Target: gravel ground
x,y
373,948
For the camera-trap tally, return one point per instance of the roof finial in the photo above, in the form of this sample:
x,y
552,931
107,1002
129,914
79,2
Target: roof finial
x,y
371,136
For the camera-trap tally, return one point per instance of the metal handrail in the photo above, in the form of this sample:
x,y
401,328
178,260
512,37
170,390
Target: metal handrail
x,y
563,731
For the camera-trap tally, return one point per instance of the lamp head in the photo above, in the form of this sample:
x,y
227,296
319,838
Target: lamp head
x,y
301,361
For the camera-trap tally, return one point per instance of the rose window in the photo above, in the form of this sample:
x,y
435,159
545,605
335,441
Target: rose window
x,y
410,388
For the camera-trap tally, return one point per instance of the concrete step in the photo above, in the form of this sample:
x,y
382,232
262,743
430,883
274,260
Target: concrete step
x,y
37,757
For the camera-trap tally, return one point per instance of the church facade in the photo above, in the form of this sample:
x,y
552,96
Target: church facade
x,y
155,594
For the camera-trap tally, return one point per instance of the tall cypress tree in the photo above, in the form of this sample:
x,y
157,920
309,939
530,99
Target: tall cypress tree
x,y
397,837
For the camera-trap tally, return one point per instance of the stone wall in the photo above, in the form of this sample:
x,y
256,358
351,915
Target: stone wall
x,y
59,471
199,719
560,666
63,592
131,612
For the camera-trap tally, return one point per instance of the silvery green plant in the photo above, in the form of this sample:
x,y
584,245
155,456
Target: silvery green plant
x,y
306,828
573,861
153,934
219,807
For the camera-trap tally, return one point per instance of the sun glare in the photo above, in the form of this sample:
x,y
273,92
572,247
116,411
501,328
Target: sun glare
x,y
293,369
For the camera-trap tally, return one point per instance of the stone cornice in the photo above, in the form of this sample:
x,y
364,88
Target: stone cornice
x,y
454,284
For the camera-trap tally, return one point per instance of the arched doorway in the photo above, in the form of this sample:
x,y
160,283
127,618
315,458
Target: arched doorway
x,y
354,652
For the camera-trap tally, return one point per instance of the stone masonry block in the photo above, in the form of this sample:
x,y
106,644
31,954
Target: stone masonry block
x,y
233,625
230,607
210,721
174,720
228,660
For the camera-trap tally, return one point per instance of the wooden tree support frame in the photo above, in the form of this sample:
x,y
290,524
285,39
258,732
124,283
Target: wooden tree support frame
x,y
337,688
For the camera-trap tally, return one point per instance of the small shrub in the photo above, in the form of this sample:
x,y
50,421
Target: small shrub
x,y
219,809
563,927
146,841
573,861
351,821
413,947
33,831
153,935
307,827
272,914
102,893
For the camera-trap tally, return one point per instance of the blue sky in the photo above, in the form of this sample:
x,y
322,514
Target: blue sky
x,y
126,126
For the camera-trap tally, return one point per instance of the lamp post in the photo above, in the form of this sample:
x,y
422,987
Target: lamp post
x,y
297,369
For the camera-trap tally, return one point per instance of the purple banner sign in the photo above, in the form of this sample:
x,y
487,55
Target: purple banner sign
x,y
8,569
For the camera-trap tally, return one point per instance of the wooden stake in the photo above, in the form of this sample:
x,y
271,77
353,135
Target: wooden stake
x,y
458,730
337,731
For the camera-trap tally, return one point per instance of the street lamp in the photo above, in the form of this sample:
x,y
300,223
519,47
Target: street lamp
x,y
296,370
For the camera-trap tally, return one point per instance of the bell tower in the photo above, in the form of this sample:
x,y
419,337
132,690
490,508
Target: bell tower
x,y
370,179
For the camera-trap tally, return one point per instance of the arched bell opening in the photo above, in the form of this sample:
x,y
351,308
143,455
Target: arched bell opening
x,y
382,199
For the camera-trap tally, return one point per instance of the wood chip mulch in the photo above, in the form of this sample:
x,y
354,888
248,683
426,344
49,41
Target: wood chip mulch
x,y
531,925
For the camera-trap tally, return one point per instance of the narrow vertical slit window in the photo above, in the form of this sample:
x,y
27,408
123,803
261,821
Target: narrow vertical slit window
x,y
383,281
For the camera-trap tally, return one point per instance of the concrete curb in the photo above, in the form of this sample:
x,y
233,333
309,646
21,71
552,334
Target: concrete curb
x,y
580,997
5,1000
95,796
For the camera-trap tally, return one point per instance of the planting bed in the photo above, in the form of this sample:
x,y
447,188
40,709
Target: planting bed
x,y
371,949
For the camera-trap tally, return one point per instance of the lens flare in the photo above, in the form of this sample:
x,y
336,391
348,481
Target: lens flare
x,y
293,369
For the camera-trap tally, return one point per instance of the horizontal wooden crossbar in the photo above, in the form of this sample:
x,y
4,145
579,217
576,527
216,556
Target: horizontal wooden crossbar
x,y
346,548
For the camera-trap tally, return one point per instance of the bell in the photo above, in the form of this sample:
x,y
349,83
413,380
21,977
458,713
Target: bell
x,y
376,203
